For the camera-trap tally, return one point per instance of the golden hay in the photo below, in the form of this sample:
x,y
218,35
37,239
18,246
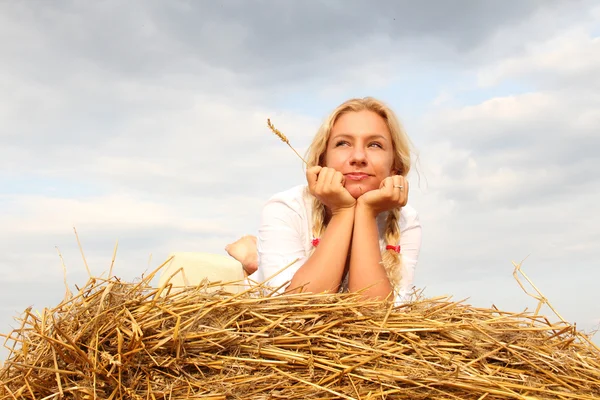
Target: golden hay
x,y
130,340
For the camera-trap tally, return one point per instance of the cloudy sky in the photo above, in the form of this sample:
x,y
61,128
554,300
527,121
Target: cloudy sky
x,y
145,122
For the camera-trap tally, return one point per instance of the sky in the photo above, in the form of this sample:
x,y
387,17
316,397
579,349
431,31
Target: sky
x,y
144,122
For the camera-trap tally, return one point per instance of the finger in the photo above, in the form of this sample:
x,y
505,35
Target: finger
x,y
398,187
334,177
312,175
388,186
406,187
330,182
400,190
397,182
324,179
337,180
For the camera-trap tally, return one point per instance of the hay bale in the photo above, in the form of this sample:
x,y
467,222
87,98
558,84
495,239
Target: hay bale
x,y
130,340
184,269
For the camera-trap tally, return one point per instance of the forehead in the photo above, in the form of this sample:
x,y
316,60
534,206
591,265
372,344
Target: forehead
x,y
360,123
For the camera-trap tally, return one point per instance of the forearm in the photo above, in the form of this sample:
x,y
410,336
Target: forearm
x,y
324,269
365,257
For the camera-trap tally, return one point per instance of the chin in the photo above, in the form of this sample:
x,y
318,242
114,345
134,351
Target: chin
x,y
355,193
357,190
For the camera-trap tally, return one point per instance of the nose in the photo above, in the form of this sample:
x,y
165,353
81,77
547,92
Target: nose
x,y
358,156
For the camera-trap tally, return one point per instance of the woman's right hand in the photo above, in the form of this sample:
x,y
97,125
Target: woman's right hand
x,y
327,185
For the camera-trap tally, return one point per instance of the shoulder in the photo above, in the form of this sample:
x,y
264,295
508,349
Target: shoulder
x,y
292,200
295,195
291,194
409,218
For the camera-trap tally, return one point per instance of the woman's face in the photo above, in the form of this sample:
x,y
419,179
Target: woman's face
x,y
360,147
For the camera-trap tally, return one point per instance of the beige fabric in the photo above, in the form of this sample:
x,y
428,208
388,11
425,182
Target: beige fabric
x,y
192,268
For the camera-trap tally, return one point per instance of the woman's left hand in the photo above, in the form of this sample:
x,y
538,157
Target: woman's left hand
x,y
392,193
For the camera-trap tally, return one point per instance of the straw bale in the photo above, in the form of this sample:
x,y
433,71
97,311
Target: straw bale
x,y
116,339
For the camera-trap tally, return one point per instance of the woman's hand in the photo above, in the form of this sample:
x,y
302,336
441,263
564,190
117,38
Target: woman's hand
x,y
327,185
388,196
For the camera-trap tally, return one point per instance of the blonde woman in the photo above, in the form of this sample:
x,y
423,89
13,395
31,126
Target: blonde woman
x,y
350,226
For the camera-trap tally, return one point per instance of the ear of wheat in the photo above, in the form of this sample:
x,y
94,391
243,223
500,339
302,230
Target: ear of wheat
x,y
283,138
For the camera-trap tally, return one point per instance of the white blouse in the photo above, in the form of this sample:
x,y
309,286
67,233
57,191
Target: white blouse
x,y
285,234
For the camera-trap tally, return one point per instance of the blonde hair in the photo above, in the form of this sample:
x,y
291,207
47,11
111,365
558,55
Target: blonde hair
x,y
402,162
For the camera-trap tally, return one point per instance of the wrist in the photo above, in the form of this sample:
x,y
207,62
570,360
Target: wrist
x,y
365,209
343,211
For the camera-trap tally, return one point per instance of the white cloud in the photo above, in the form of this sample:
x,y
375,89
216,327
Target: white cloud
x,y
444,97
570,54
50,216
512,176
575,54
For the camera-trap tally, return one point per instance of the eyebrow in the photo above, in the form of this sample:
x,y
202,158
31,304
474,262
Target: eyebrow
x,y
372,136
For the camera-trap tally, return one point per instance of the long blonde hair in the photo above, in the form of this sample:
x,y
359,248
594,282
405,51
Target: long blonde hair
x,y
402,162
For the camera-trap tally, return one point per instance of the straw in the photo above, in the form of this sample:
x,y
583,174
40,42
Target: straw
x,y
115,339
283,138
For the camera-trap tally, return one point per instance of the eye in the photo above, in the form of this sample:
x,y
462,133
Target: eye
x,y
340,142
376,144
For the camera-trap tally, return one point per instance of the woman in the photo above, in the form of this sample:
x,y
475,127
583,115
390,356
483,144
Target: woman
x,y
350,227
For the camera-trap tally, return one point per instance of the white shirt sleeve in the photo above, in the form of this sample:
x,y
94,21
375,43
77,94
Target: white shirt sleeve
x,y
279,242
410,245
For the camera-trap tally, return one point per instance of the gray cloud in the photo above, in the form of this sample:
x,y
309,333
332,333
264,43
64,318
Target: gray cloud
x,y
164,104
214,51
259,41
271,33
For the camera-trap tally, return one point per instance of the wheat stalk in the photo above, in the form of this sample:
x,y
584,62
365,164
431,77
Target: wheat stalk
x,y
283,138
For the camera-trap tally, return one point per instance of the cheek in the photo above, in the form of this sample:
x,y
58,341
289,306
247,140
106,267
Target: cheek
x,y
384,165
333,159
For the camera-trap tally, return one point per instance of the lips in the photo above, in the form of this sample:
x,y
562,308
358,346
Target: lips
x,y
357,176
